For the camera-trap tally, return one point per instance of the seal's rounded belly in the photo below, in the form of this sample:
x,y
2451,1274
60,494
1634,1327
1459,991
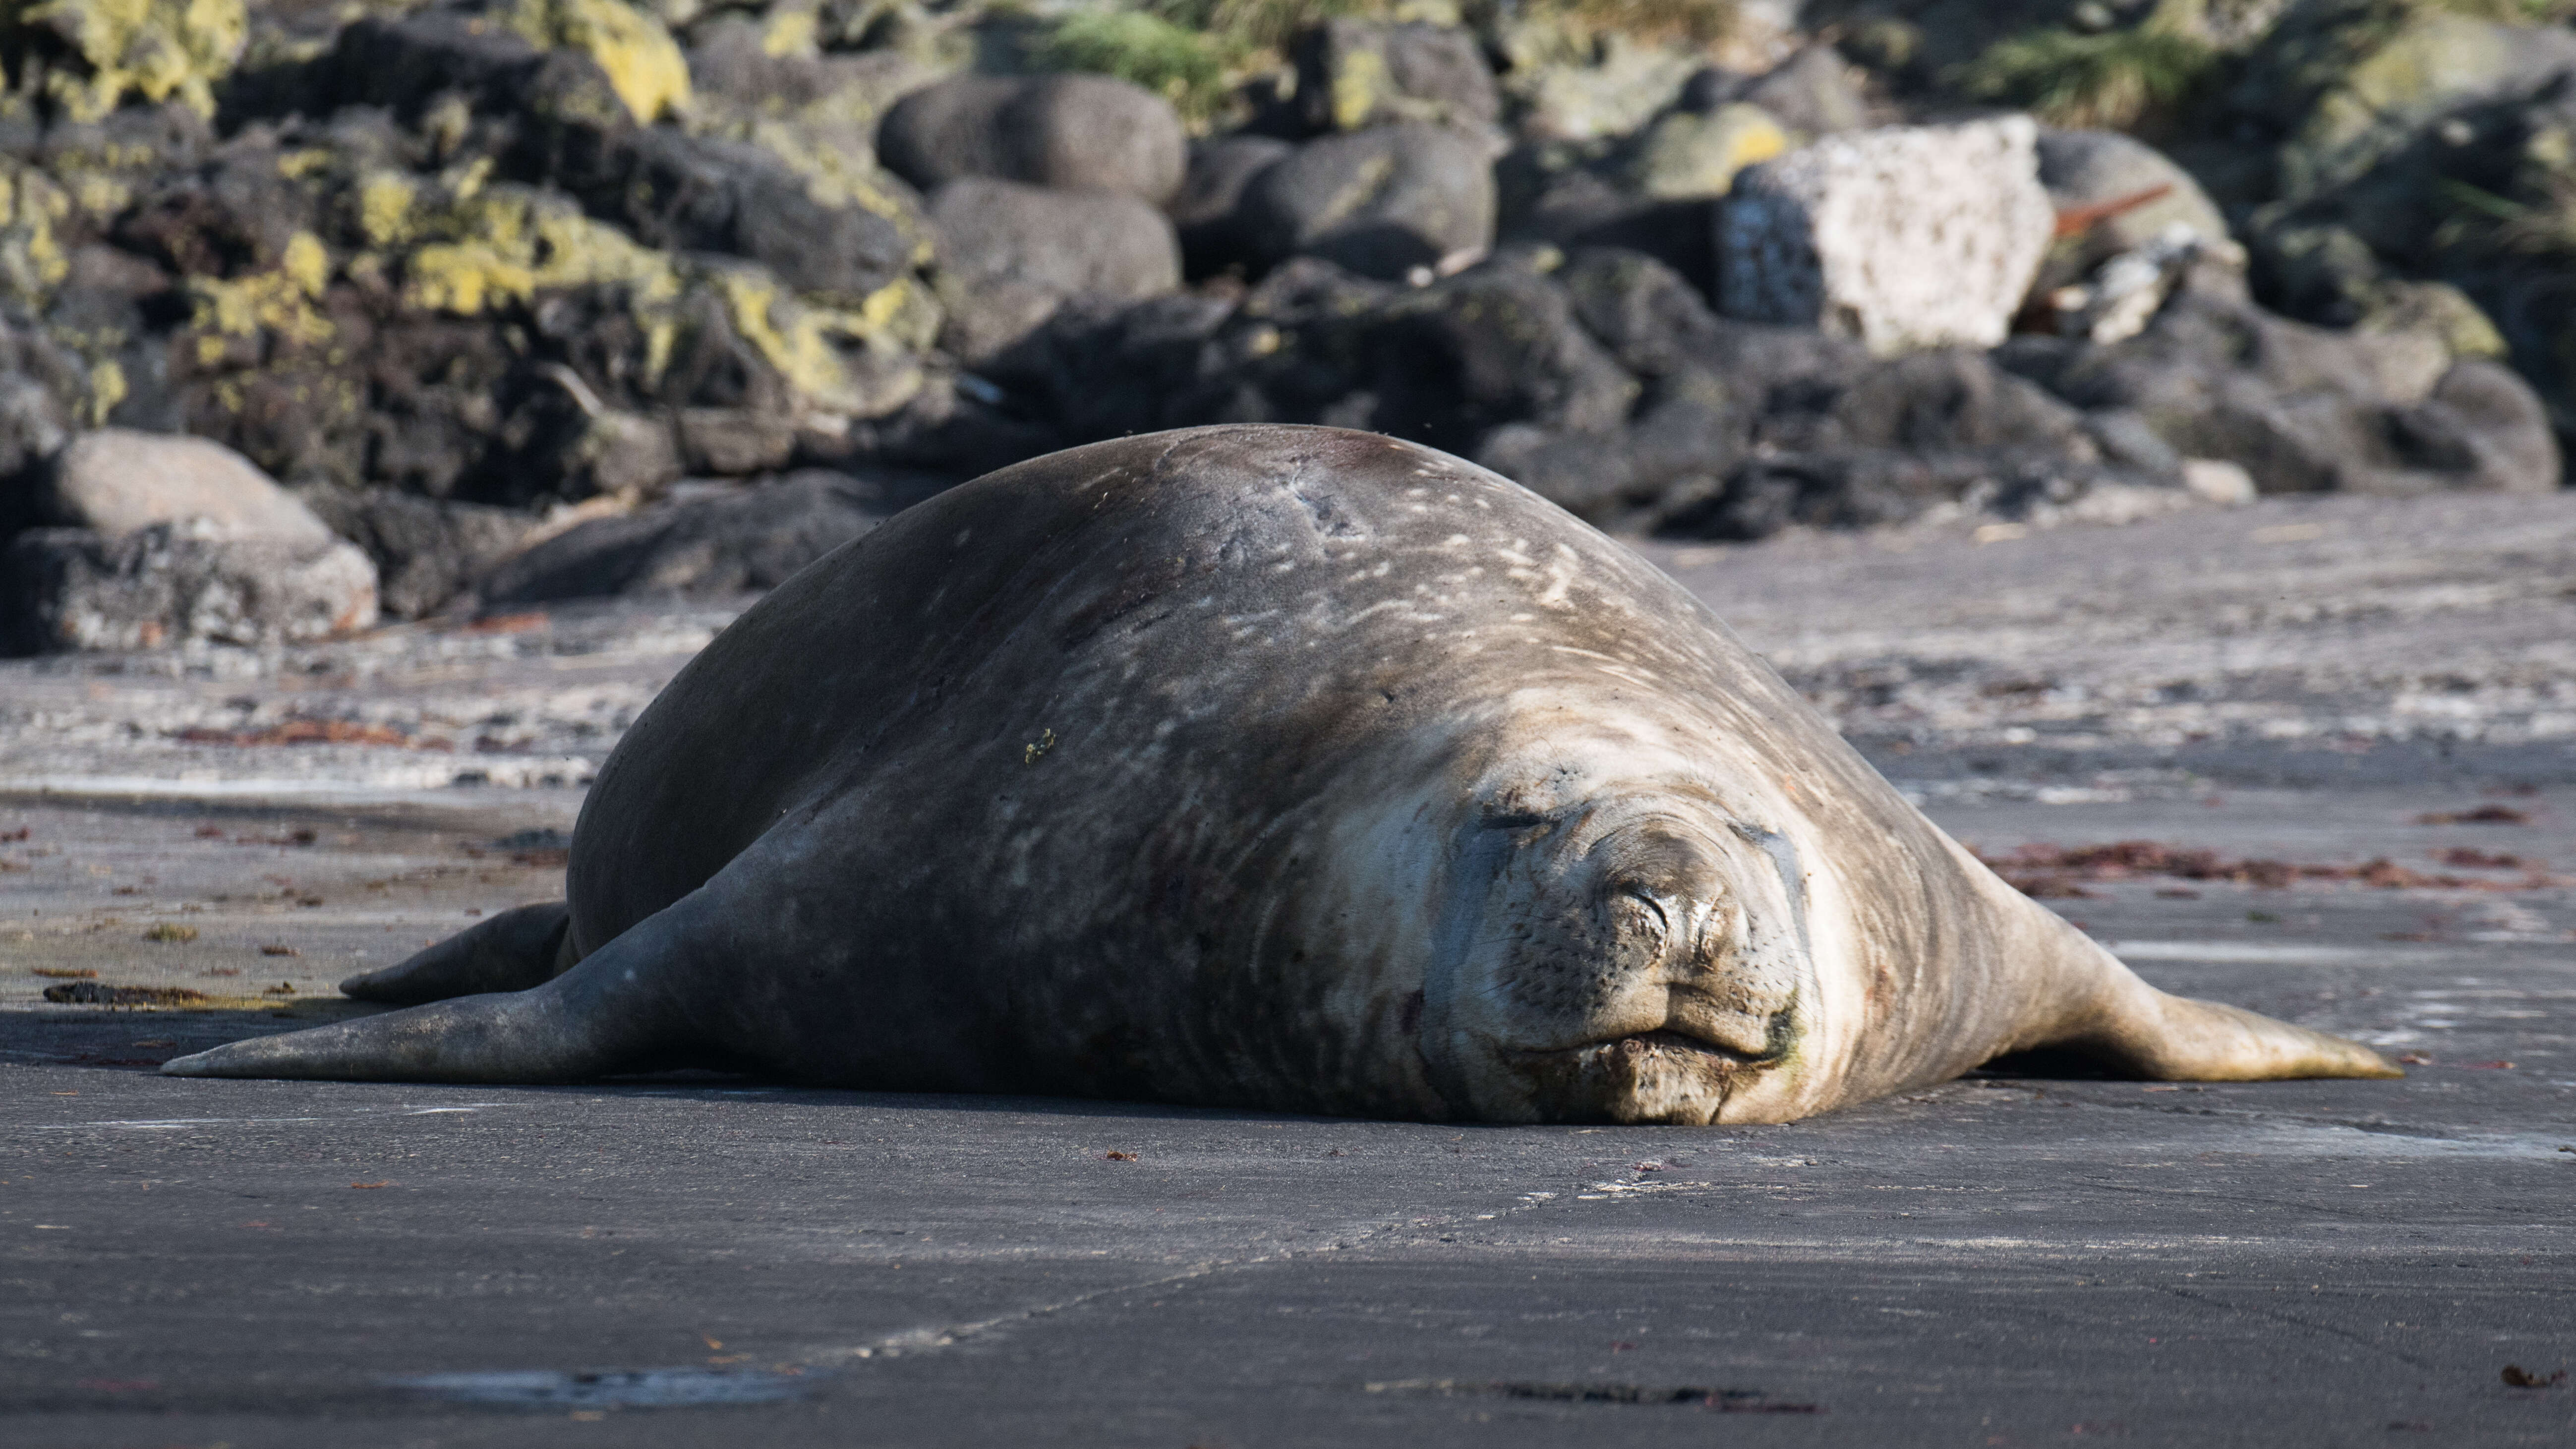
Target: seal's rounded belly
x,y
1264,766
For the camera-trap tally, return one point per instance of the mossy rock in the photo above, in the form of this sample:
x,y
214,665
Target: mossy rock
x,y
1686,155
87,57
643,63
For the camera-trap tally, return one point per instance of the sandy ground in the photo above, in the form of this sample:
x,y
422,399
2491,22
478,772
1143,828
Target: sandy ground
x,y
2010,1260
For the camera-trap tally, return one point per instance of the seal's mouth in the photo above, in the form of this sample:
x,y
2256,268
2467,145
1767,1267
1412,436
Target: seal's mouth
x,y
1664,1040
1663,1075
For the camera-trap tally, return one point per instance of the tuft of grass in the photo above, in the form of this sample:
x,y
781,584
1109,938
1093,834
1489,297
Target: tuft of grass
x,y
1183,66
1680,22
2113,81
1255,25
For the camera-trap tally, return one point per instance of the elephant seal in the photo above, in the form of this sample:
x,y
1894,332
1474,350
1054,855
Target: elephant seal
x,y
1264,766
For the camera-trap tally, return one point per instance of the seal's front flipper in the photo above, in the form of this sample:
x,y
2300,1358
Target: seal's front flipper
x,y
513,951
623,1008
2177,1039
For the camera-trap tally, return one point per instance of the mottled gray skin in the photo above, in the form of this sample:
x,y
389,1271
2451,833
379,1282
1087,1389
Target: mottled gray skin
x,y
1274,767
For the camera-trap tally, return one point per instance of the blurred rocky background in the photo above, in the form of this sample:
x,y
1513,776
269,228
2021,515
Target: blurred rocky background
x,y
316,314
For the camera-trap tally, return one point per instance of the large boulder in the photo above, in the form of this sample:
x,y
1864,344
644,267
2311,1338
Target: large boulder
x,y
1687,155
1208,212
1380,202
685,193
427,551
1903,237
116,482
1014,253
1355,73
1069,132
167,584
1812,92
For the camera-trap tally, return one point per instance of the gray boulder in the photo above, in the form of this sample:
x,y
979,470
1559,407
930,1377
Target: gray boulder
x,y
1380,202
2304,409
723,542
166,584
1068,132
1012,254
689,193
426,551
1208,210
1356,73
117,482
1812,92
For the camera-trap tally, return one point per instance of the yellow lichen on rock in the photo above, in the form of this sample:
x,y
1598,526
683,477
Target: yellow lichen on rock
x,y
32,263
158,49
279,303
644,65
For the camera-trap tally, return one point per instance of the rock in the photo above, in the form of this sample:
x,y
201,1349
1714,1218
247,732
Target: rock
x,y
170,583
102,51
1208,210
1572,198
1902,237
1067,132
719,543
643,64
426,551
2215,480
1356,73
1652,320
2483,429
2355,89
1687,155
2304,409
1811,92
685,193
116,482
2087,171
1380,202
1601,89
1014,253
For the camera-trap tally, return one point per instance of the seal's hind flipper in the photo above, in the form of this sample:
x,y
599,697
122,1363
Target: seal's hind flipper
x,y
2177,1039
512,951
621,1009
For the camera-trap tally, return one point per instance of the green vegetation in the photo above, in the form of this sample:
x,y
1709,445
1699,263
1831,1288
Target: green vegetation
x,y
2119,80
1186,67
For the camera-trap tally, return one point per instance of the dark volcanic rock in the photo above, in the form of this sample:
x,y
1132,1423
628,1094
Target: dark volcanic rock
x,y
2304,409
1380,202
685,193
1013,253
741,538
1208,210
427,551
1069,132
1355,73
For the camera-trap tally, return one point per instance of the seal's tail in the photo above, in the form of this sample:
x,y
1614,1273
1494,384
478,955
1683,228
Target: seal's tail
x,y
512,951
618,1010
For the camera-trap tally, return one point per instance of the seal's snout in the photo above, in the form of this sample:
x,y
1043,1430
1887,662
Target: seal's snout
x,y
1642,975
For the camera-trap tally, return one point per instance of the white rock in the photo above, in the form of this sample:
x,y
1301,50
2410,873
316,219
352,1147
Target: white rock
x,y
1903,237
119,482
2218,481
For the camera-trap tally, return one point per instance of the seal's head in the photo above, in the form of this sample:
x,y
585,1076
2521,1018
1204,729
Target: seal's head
x,y
1638,955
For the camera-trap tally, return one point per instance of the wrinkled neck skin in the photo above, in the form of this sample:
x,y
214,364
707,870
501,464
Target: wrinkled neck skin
x,y
1625,933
